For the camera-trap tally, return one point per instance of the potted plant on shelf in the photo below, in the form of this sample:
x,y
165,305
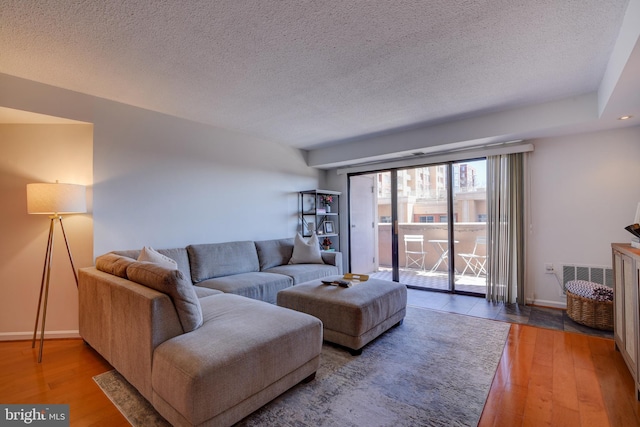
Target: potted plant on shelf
x,y
327,199
326,243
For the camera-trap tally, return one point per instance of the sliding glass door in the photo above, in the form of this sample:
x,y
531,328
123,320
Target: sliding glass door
x,y
423,227
406,225
469,192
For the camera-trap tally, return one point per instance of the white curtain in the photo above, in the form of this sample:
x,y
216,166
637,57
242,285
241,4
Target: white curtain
x,y
505,228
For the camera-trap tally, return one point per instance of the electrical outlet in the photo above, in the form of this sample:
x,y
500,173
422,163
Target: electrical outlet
x,y
548,268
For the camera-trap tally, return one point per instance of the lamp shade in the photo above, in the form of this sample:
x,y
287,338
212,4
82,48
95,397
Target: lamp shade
x,y
44,198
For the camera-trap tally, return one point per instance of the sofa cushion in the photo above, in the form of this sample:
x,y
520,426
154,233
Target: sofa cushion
x,y
173,283
114,264
151,255
306,252
276,252
254,285
222,259
305,272
243,347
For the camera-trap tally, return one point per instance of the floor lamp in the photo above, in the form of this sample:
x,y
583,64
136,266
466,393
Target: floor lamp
x,y
53,200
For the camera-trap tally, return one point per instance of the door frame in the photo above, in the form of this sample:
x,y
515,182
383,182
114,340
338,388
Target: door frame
x,y
395,243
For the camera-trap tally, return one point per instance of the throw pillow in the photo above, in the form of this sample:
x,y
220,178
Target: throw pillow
x,y
114,264
149,254
306,252
173,283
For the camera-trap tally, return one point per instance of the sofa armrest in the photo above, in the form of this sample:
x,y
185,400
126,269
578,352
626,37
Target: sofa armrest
x,y
124,322
333,258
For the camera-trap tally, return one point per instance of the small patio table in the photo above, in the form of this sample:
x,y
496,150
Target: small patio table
x,y
441,246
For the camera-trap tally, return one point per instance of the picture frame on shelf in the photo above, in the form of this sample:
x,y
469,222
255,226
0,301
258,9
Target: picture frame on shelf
x,y
328,227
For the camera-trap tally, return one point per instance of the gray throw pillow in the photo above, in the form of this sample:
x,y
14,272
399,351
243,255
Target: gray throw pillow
x,y
114,264
173,283
306,252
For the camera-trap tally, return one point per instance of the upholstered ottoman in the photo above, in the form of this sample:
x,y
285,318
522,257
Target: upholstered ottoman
x,y
351,317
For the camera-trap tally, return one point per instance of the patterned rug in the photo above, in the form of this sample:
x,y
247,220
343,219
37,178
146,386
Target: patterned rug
x,y
433,370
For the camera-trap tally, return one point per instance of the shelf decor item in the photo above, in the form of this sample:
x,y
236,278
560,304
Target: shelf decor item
x,y
326,243
327,199
54,200
328,227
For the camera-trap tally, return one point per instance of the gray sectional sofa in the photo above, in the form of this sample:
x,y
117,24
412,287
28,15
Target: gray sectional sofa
x,y
203,342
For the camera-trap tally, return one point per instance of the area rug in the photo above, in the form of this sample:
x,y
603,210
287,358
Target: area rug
x,y
433,370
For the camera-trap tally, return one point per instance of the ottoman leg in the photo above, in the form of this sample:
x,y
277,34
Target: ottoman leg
x,y
357,352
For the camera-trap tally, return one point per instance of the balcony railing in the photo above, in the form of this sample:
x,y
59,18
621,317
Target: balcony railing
x,y
465,234
434,274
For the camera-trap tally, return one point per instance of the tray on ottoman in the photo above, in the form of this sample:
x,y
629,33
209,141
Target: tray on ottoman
x,y
353,316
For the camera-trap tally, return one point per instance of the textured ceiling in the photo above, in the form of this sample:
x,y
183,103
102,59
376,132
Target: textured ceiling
x,y
311,73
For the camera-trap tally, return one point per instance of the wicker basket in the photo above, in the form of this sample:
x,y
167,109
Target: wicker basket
x,y
589,312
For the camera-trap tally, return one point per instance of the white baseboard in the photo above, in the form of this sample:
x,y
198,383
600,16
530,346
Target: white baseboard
x,y
21,336
546,303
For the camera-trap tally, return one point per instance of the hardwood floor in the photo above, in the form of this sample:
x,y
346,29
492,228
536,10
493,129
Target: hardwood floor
x,y
545,378
555,378
65,376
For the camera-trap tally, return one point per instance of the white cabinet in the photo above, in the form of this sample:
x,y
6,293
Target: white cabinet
x,y
626,265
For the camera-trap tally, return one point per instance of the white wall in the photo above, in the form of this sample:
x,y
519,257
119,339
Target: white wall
x,y
584,190
41,153
168,182
161,181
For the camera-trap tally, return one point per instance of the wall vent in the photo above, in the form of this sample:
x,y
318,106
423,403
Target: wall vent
x,y
595,274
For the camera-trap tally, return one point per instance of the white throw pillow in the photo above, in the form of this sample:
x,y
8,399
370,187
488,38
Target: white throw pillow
x,y
306,252
151,255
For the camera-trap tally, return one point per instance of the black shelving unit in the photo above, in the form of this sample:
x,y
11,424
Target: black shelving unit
x,y
320,213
